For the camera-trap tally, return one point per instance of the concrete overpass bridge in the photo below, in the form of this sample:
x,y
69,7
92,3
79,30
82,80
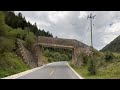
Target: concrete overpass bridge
x,y
58,70
76,47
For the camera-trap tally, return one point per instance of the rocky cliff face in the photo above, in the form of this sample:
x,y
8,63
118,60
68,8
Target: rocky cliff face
x,y
26,55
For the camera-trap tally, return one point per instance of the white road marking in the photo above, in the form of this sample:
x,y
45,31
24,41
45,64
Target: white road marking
x,y
32,70
75,72
51,73
25,72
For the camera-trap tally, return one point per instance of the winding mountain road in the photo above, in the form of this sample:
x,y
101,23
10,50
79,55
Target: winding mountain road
x,y
56,70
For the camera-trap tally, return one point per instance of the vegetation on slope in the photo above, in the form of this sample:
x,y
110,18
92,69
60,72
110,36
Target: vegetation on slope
x,y
12,27
15,26
54,55
10,64
18,21
104,66
113,46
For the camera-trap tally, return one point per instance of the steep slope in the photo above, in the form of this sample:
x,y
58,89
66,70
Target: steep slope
x,y
113,46
10,61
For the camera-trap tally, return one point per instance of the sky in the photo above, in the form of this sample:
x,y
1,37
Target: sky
x,y
75,25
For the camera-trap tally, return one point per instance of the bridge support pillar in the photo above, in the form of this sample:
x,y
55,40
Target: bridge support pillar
x,y
74,56
40,62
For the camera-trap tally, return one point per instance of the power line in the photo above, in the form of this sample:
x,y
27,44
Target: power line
x,y
84,29
86,32
91,17
85,25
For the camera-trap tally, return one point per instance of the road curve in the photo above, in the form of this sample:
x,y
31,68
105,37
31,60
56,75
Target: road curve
x,y
56,70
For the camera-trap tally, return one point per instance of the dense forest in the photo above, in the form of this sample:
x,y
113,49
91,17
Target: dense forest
x,y
18,21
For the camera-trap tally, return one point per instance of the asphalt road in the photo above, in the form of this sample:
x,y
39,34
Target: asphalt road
x,y
57,70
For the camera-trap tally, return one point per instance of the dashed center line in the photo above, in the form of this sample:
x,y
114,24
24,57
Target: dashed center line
x,y
51,73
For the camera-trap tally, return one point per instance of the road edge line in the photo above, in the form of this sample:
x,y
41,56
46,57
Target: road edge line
x,y
75,71
14,76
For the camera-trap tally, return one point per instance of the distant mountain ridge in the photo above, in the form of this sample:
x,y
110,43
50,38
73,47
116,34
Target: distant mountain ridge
x,y
113,46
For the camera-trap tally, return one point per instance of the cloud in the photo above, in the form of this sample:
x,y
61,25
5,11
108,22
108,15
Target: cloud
x,y
74,25
55,16
83,14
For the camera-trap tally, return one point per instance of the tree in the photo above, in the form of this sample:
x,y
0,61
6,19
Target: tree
x,y
18,21
19,15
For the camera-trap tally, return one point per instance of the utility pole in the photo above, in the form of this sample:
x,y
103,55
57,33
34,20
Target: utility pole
x,y
91,17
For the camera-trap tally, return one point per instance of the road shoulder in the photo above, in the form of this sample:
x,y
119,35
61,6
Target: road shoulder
x,y
25,72
75,72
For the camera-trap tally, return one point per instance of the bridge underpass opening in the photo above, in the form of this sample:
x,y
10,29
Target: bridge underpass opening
x,y
57,54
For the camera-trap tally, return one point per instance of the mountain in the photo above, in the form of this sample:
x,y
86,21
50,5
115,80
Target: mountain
x,y
113,46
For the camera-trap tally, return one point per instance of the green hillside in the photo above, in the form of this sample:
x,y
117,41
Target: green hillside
x,y
113,46
14,27
104,64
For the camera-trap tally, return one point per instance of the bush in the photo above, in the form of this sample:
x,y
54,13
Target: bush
x,y
64,57
29,40
47,53
2,31
6,45
92,67
84,58
55,56
50,59
109,56
15,33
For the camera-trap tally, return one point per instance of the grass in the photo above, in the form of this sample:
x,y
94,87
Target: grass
x,y
110,71
105,69
45,60
11,64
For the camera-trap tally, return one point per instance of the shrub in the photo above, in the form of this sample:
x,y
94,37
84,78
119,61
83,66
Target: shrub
x,y
64,57
50,59
83,57
47,53
109,56
57,56
92,67
6,45
29,40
